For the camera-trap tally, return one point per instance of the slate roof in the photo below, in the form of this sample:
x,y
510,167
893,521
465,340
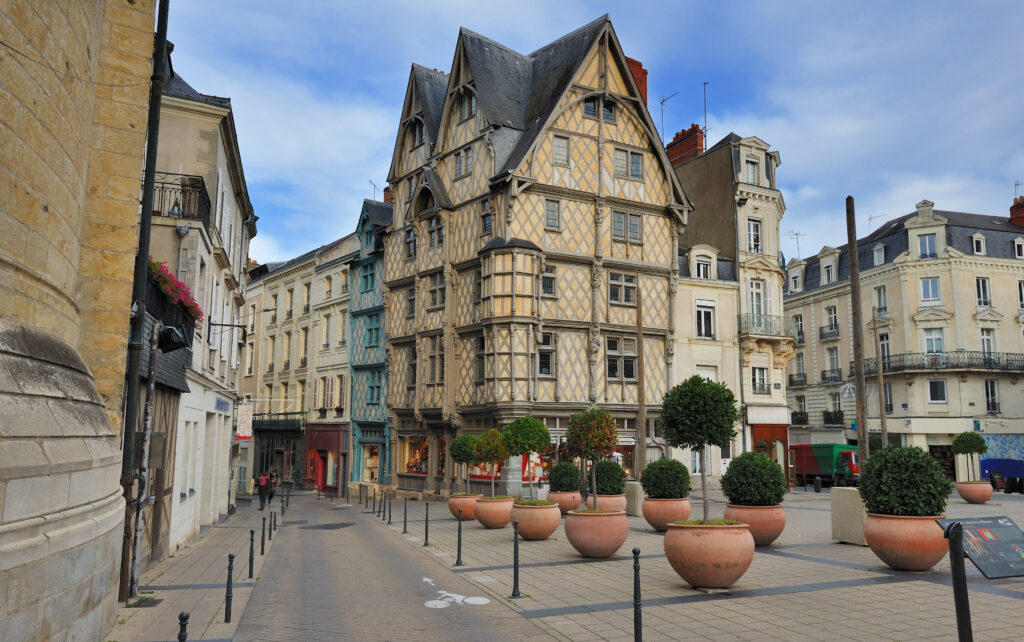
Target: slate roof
x,y
499,243
378,213
176,86
432,86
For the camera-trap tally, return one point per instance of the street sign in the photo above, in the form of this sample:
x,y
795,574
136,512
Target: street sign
x,y
994,544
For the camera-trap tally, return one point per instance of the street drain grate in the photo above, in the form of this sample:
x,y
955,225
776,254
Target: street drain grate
x,y
328,527
295,522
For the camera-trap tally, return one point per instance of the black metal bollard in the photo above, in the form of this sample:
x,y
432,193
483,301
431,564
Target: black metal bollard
x,y
817,484
270,531
183,626
228,595
284,506
252,549
426,524
273,518
405,515
383,509
638,626
515,561
263,537
458,559
391,499
374,509
955,534
380,509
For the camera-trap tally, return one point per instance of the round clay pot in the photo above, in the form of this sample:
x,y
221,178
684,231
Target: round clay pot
x,y
660,512
608,502
466,503
766,522
906,543
537,522
974,492
567,500
596,534
709,556
493,513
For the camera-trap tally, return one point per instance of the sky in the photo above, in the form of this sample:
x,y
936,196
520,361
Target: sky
x,y
890,102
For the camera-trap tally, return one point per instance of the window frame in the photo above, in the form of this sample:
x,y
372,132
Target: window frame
x,y
1020,294
759,380
879,255
978,244
627,171
881,299
546,349
369,276
467,105
754,240
705,322
374,387
549,275
619,356
590,104
1018,248
987,337
703,264
607,111
931,391
625,284
435,230
753,177
410,369
486,221
372,330
934,337
410,243
552,205
437,289
983,290
560,150
931,280
410,302
481,359
927,242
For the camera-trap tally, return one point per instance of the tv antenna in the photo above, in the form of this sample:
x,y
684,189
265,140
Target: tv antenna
x,y
375,188
871,218
706,83
663,101
1016,188
795,235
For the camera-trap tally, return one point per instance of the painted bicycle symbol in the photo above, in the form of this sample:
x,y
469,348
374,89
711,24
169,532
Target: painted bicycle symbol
x,y
446,599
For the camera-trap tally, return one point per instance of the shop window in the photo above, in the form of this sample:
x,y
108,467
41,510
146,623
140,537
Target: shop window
x,y
418,455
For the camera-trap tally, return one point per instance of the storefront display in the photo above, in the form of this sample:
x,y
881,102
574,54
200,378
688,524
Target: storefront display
x,y
623,456
441,455
483,471
417,455
371,458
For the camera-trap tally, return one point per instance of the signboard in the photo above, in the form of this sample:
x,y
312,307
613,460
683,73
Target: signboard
x,y
244,421
994,544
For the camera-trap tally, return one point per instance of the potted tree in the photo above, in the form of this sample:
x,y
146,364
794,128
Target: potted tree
x,y
904,492
538,518
563,486
524,436
666,482
714,554
611,485
493,511
755,486
972,444
463,450
594,532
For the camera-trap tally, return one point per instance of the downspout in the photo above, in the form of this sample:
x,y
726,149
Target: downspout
x,y
182,233
739,316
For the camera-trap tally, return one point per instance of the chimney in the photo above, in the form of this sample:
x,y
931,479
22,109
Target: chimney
x,y
1017,211
687,144
387,195
639,75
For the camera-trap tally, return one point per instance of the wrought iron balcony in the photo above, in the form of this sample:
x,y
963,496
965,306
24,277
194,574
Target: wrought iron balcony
x,y
181,196
832,416
834,375
761,388
279,421
798,379
828,332
959,360
799,418
767,325
991,407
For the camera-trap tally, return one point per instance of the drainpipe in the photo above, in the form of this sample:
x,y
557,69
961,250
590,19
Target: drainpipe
x,y
739,320
182,233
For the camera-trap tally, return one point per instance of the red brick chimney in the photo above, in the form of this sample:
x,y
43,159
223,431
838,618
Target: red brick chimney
x,y
639,75
1017,211
387,195
687,144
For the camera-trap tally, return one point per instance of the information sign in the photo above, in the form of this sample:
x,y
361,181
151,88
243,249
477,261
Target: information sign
x,y
994,544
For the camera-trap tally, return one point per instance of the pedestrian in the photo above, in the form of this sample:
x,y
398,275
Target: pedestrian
x,y
271,482
262,484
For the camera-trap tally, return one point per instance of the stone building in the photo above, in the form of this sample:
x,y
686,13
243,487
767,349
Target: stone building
x,y
530,264
73,130
949,290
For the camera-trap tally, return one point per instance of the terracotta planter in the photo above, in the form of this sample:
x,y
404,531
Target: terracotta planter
x,y
494,513
709,556
906,543
766,522
660,512
567,500
608,502
466,503
974,492
596,534
537,522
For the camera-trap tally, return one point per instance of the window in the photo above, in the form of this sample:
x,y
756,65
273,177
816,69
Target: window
x,y
705,322
984,294
1020,294
754,235
289,304
796,282
410,243
410,302
369,276
437,290
468,155
978,243
703,267
930,288
834,402
756,296
560,150
478,286
372,330
250,351
752,172
481,359
436,359
458,164
607,111
410,375
833,358
486,220
798,321
327,287
622,288
991,396
339,384
417,133
887,391
759,380
341,329
326,331
618,226
590,107
634,223
435,231
551,215
829,274
879,255
373,389
547,281
369,241
988,340
546,355
883,345
1018,248
881,300
629,164
621,358
933,340
926,246
467,105
936,391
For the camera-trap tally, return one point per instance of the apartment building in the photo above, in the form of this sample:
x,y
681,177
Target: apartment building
x,y
948,288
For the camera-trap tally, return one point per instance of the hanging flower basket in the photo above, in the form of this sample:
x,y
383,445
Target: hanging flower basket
x,y
170,300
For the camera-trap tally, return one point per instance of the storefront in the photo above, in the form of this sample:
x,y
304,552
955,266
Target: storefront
x,y
327,457
769,430
423,460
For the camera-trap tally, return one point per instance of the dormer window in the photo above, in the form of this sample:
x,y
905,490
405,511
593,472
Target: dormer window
x,y
829,274
879,255
753,172
703,267
795,280
417,133
978,244
926,246
467,106
1018,248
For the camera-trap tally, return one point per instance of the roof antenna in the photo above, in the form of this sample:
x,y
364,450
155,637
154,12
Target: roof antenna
x,y
795,235
871,218
375,188
663,101
1016,188
706,83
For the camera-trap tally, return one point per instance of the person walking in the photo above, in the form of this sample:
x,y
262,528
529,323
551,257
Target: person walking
x,y
271,483
262,486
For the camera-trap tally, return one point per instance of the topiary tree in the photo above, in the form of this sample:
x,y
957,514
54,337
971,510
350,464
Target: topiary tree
x,y
699,413
491,449
611,478
903,481
970,443
666,479
753,479
592,435
564,477
523,436
463,451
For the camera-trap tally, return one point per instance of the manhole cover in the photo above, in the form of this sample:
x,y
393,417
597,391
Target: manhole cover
x,y
295,522
327,527
144,602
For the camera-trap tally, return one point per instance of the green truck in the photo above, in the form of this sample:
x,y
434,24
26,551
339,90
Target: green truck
x,y
836,464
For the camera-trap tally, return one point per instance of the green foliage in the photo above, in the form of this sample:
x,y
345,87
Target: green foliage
x,y
534,502
698,413
753,479
710,522
495,497
969,443
592,434
903,481
666,479
564,477
525,435
611,479
490,447
596,510
463,449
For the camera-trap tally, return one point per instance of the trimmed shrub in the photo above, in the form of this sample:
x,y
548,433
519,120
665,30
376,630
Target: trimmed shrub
x,y
666,479
611,478
753,479
903,481
969,443
464,449
534,502
564,477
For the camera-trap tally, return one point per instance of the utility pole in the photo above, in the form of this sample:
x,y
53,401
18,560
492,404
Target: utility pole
x,y
879,379
858,329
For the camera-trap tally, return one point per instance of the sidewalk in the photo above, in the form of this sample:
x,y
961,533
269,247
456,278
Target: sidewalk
x,y
195,580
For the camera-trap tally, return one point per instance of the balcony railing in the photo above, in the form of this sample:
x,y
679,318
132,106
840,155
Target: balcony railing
x,y
799,418
278,421
305,308
302,362
959,360
798,379
761,388
327,294
288,313
834,375
270,367
287,363
799,338
768,325
828,332
991,407
832,416
344,288
181,196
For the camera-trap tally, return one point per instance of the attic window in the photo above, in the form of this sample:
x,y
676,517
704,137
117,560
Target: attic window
x,y
467,106
590,107
417,133
1018,248
978,244
879,255
608,112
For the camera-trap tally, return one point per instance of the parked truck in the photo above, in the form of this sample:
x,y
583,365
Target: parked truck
x,y
836,464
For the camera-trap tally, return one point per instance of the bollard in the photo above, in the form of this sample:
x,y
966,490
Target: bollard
x,y
458,560
273,518
263,537
183,626
380,509
374,509
515,561
252,549
270,531
638,627
955,534
391,498
426,524
284,506
817,484
228,595
383,509
405,515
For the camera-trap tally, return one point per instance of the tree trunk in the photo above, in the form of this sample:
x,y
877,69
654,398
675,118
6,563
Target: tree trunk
x,y
593,481
492,478
703,481
529,471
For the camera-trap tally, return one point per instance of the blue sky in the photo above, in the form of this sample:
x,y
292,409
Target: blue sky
x,y
891,102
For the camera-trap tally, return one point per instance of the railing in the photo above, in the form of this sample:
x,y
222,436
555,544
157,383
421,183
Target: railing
x,y
344,288
834,375
928,255
302,362
799,338
305,308
761,388
288,313
270,367
798,379
181,196
278,421
287,363
327,294
327,345
768,325
883,309
991,407
799,418
959,360
832,416
828,332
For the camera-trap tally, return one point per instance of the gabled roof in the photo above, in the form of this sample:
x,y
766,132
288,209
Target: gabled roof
x,y
378,213
431,87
